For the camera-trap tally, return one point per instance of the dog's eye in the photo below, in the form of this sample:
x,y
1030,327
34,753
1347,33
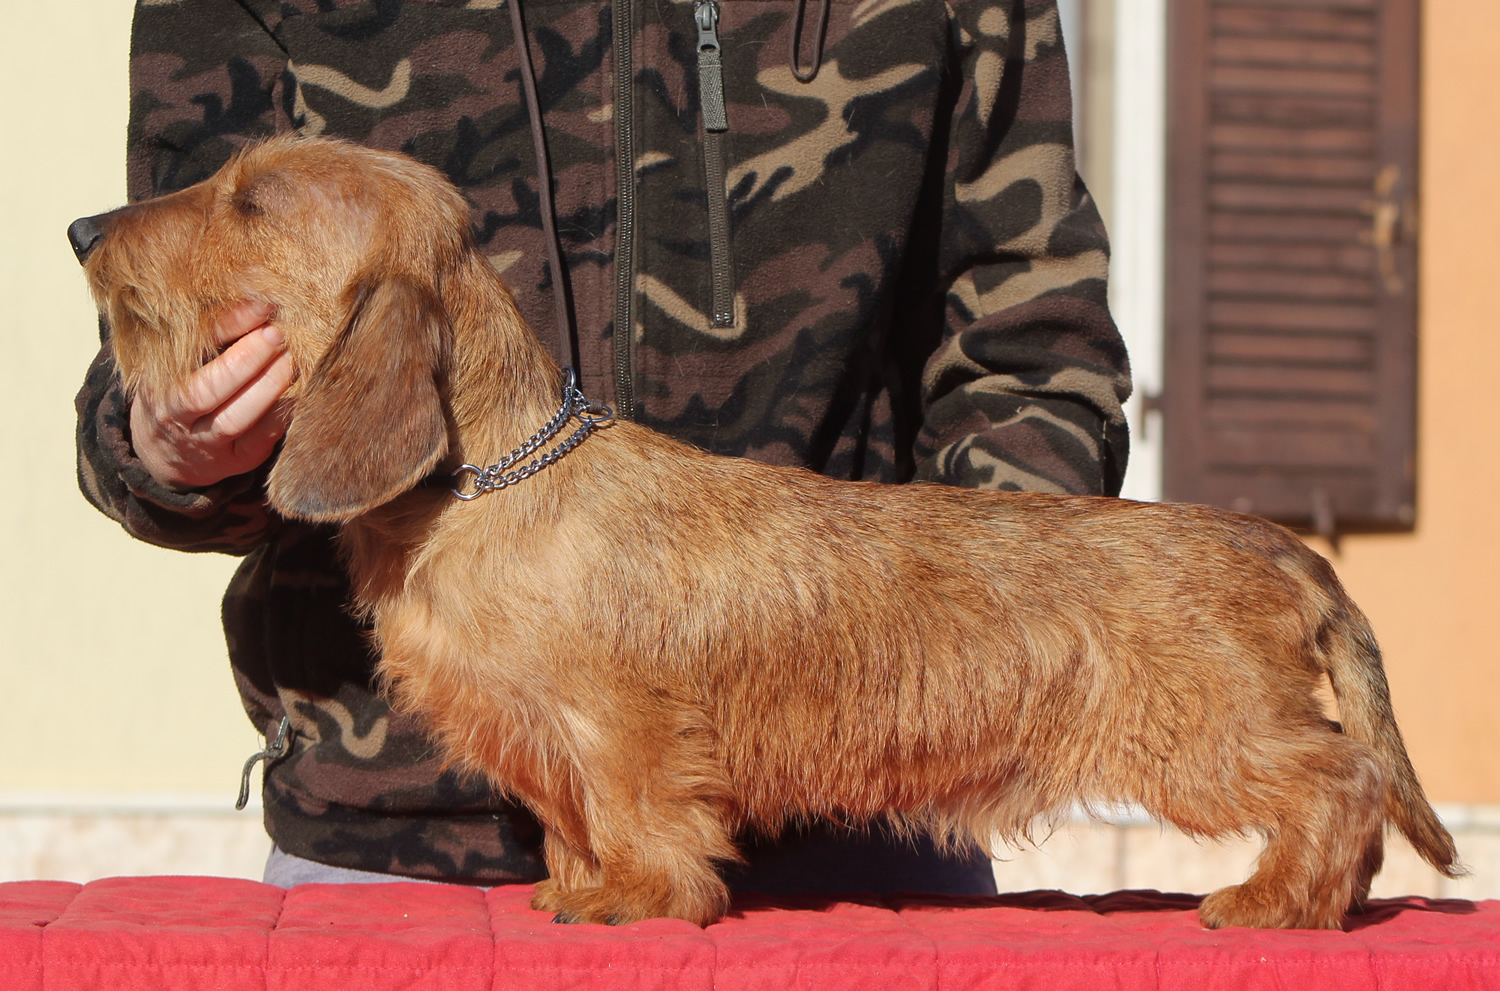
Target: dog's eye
x,y
245,203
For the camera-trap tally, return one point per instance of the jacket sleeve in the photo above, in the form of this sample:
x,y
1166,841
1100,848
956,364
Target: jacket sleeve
x,y
1025,390
204,77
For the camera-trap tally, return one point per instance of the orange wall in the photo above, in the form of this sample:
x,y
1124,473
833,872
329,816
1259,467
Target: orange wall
x,y
1432,595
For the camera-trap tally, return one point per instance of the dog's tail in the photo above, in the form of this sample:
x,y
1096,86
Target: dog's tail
x,y
1354,666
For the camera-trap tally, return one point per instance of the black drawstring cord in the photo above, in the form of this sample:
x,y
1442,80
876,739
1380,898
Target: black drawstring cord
x,y
566,332
795,53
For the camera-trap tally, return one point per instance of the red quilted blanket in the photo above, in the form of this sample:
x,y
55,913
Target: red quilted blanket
x,y
198,933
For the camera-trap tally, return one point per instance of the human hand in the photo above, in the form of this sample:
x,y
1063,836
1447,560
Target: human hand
x,y
226,419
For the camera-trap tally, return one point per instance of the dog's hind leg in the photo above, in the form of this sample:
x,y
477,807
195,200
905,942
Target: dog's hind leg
x,y
1369,866
1320,805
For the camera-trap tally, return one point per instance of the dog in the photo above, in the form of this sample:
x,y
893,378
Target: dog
x,y
655,648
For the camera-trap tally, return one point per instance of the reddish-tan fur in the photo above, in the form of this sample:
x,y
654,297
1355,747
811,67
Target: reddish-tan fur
x,y
655,648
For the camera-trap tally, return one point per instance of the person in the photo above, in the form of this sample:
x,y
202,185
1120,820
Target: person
x,y
848,237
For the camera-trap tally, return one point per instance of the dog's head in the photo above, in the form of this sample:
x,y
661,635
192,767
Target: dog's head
x,y
351,246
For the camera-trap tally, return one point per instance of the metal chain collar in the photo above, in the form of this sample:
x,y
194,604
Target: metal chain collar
x,y
500,475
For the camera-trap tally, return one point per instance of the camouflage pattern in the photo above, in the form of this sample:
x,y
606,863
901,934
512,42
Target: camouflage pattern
x,y
918,277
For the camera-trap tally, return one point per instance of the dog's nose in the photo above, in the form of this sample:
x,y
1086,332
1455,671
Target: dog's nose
x,y
85,232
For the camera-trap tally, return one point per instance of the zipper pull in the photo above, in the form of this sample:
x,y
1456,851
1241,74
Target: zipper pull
x,y
273,752
710,69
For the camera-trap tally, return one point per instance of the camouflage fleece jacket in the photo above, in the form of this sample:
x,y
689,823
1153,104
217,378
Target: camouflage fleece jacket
x,y
889,272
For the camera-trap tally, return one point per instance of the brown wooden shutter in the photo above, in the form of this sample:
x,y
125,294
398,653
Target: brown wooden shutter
x,y
1290,381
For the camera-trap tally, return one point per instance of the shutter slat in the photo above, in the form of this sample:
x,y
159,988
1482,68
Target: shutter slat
x,y
1278,315
1294,448
1281,80
1280,50
1289,381
1224,281
1289,198
1264,138
1296,111
1283,413
1303,349
1279,6
1257,226
1230,20
1272,255
1257,164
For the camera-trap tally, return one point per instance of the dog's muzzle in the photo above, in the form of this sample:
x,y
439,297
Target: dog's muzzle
x,y
85,232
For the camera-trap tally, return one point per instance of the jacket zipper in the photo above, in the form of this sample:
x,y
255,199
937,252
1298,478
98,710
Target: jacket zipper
x,y
715,124
625,217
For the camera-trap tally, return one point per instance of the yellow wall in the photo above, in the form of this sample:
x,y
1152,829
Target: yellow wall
x,y
114,670
113,666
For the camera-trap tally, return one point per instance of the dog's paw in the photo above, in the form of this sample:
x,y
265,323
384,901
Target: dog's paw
x,y
569,919
1256,908
585,905
618,906
548,895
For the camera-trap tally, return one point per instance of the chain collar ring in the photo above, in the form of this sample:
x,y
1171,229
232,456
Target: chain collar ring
x,y
504,474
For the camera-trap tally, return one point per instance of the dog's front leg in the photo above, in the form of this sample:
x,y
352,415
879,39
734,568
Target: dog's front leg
x,y
569,868
623,774
651,825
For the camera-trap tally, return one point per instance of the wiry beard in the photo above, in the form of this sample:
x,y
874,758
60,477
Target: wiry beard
x,y
158,344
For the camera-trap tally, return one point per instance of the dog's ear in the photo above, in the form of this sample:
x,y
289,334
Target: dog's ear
x,y
370,423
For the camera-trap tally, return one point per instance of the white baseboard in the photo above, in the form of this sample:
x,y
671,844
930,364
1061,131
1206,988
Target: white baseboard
x,y
163,803
83,837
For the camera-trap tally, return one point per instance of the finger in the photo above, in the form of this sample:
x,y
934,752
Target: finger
x,y
211,386
256,444
145,427
158,453
239,320
250,405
